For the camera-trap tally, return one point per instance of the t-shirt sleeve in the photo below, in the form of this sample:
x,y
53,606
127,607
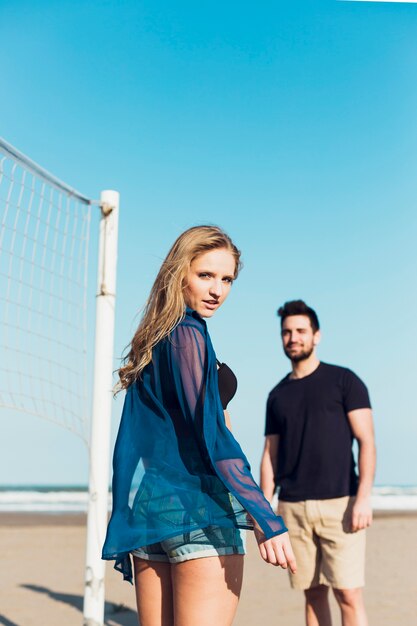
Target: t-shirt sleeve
x,y
271,420
355,393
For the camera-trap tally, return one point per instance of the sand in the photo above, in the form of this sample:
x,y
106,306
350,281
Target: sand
x,y
41,578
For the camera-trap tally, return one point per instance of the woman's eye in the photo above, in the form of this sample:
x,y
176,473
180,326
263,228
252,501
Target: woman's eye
x,y
228,280
203,275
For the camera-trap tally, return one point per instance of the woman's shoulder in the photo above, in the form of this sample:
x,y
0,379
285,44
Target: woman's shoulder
x,y
189,323
189,330
192,317
189,335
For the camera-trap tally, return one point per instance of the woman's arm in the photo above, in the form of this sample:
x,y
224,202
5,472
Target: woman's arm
x,y
227,420
192,357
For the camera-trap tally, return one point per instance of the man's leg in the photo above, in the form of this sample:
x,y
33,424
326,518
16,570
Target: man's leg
x,y
317,606
306,545
343,558
352,606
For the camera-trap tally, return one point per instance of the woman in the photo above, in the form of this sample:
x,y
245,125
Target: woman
x,y
182,487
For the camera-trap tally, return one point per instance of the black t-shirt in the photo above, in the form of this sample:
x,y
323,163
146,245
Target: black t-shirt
x,y
315,459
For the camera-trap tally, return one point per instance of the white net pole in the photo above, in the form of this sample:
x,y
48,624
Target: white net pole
x,y
101,413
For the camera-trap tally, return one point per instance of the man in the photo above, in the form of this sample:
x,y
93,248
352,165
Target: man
x,y
312,417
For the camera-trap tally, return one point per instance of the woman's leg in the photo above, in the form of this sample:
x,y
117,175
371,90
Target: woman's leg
x,y
206,590
153,592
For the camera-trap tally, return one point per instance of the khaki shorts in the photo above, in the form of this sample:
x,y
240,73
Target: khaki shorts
x,y
327,552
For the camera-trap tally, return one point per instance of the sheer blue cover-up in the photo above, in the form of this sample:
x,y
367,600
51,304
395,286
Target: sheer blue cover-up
x,y
176,465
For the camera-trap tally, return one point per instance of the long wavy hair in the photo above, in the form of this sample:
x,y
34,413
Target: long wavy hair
x,y
165,307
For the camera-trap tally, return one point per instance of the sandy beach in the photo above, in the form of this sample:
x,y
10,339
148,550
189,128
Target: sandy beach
x,y
41,578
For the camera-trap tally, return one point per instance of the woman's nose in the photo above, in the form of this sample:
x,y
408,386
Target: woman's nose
x,y
216,288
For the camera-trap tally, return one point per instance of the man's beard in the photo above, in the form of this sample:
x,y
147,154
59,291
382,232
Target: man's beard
x,y
299,356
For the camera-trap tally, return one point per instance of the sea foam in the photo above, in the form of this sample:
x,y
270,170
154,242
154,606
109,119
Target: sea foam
x,y
72,500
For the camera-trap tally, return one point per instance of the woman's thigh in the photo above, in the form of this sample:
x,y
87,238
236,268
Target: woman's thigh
x,y
153,592
206,591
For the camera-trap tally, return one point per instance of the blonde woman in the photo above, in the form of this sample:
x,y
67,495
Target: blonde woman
x,y
182,487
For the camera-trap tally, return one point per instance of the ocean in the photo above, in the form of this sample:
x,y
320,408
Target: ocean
x,y
73,499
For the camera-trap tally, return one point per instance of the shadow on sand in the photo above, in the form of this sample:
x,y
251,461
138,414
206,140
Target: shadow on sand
x,y
114,614
4,621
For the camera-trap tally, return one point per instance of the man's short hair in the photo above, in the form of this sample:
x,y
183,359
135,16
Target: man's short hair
x,y
299,307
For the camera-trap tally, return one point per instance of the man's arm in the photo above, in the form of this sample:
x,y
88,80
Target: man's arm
x,y
362,427
269,465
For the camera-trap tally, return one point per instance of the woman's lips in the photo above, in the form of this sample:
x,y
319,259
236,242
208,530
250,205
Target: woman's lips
x,y
211,304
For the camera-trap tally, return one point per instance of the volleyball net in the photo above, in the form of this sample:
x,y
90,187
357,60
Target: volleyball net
x,y
44,294
44,244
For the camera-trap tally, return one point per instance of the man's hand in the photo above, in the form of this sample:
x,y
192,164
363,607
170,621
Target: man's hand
x,y
277,550
361,514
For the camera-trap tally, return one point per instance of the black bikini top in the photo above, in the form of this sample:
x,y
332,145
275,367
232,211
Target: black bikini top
x,y
227,383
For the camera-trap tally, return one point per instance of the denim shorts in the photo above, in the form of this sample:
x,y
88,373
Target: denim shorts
x,y
196,544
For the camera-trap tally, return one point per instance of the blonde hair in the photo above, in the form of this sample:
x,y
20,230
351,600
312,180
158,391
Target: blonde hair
x,y
165,307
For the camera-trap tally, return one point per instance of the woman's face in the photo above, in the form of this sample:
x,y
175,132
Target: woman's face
x,y
209,280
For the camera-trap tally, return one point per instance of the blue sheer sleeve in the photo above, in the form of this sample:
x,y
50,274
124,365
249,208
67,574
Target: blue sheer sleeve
x,y
195,372
188,361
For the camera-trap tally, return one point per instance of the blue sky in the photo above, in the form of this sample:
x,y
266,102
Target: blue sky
x,y
292,125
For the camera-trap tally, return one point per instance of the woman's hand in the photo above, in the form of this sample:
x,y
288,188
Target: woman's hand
x,y
277,550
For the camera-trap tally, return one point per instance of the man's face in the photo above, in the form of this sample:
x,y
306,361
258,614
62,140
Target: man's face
x,y
298,338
